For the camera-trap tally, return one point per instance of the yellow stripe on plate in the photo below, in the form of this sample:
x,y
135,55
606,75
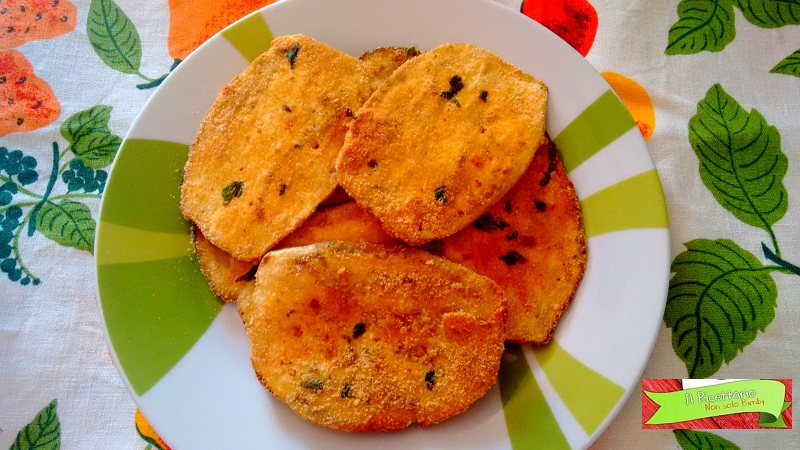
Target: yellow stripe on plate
x,y
530,422
637,202
130,245
251,36
589,396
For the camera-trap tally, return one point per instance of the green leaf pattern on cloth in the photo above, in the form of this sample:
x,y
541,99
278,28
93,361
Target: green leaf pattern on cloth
x,y
114,37
67,222
719,298
83,123
116,41
90,138
789,65
721,295
710,24
702,440
42,433
59,213
741,162
770,13
701,25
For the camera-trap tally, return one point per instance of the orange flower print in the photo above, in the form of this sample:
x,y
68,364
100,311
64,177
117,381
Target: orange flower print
x,y
574,21
192,22
148,433
27,102
30,20
636,99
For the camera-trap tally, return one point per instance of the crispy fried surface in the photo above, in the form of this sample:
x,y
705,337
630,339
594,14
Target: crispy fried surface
x,y
383,61
532,243
429,151
364,337
225,274
346,222
264,156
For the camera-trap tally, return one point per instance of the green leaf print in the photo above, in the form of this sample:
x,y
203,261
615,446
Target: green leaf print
x,y
702,25
116,41
67,222
97,150
43,433
114,37
82,123
770,13
741,161
702,440
719,298
789,65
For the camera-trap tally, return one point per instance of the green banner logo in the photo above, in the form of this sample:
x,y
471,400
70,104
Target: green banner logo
x,y
763,396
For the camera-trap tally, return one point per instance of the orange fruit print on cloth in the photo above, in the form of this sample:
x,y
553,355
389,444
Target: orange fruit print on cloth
x,y
29,20
28,101
636,99
574,21
192,22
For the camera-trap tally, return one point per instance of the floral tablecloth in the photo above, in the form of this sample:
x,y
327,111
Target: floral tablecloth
x,y
714,86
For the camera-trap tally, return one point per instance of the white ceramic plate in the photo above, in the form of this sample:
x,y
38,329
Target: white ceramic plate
x,y
185,356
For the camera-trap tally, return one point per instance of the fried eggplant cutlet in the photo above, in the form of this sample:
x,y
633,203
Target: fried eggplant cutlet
x,y
264,156
443,139
383,61
227,275
531,243
365,337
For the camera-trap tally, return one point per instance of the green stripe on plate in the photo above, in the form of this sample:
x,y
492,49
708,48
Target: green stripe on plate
x,y
122,244
146,195
637,202
154,311
589,396
251,36
600,124
530,422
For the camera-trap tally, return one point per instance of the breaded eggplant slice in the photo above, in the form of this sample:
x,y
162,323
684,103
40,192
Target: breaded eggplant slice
x,y
532,243
265,154
227,275
364,337
442,140
347,222
383,61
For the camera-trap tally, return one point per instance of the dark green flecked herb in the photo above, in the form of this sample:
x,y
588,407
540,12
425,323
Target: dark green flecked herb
x,y
286,108
430,379
551,166
456,85
249,275
282,189
345,390
484,95
232,190
512,257
440,194
513,236
489,223
412,51
540,206
312,383
359,329
291,54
